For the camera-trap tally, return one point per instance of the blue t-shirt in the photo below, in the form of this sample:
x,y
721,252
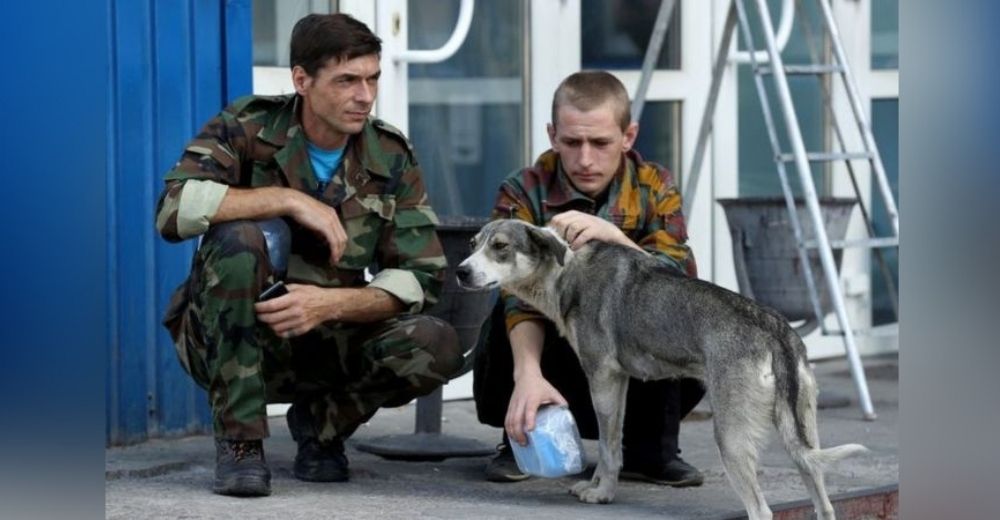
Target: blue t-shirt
x,y
324,162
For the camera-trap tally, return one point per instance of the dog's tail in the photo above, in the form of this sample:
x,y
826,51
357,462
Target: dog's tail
x,y
823,458
795,408
797,426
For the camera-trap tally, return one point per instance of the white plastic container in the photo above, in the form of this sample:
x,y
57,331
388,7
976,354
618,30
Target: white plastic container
x,y
554,447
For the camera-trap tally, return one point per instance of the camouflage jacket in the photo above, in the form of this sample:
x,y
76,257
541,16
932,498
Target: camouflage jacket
x,y
378,192
642,201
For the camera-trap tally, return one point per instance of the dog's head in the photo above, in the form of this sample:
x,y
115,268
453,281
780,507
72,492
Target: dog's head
x,y
506,252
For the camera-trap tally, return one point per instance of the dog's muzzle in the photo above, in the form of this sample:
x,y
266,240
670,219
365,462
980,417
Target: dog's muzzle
x,y
470,280
464,275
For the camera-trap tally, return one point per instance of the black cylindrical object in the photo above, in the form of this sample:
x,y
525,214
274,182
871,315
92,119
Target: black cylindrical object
x,y
465,310
768,268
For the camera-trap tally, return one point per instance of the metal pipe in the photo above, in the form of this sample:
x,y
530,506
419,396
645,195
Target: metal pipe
x,y
694,173
652,53
859,114
449,48
784,32
786,189
526,79
875,243
812,202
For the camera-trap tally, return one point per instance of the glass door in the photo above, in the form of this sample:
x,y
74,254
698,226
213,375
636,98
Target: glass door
x,y
467,114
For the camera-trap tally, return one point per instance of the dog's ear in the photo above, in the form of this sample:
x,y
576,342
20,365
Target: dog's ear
x,y
548,242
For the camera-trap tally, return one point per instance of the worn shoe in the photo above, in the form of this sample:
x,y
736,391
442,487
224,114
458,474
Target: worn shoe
x,y
240,469
674,472
503,468
321,461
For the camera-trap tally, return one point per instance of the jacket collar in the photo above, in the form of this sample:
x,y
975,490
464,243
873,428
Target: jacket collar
x,y
284,131
368,152
283,125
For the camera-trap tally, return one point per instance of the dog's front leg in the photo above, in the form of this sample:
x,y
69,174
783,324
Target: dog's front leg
x,y
607,389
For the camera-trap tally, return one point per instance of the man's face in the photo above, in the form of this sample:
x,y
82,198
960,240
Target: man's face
x,y
590,145
338,99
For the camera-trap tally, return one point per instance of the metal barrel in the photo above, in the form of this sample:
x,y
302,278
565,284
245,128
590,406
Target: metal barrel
x,y
464,310
768,268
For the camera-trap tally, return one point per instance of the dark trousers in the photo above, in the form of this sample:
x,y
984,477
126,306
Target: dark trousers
x,y
653,409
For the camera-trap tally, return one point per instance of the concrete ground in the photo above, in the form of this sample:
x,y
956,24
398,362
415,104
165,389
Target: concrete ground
x,y
173,478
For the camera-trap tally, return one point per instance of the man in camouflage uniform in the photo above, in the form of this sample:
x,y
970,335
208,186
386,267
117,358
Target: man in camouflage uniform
x,y
347,190
590,186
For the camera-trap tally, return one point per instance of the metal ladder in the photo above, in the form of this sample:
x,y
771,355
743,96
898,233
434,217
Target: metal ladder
x,y
778,71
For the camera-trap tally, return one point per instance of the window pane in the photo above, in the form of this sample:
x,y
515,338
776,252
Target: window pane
x,y
659,137
885,126
467,120
615,34
885,34
758,172
494,46
272,27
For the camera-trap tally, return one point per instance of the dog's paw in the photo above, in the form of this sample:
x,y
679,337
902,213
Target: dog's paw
x,y
581,486
592,493
596,495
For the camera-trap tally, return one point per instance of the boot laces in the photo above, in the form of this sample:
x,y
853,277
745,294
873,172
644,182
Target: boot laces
x,y
245,449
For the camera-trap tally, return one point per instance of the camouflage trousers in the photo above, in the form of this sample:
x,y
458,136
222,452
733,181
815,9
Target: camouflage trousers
x,y
336,376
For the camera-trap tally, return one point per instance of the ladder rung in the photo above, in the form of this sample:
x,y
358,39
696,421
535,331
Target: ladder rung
x,y
859,242
881,331
803,69
826,157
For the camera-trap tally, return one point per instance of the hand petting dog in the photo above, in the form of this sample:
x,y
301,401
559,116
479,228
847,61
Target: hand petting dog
x,y
578,228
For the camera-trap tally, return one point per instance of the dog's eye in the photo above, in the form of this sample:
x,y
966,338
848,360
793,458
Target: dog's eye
x,y
472,243
499,246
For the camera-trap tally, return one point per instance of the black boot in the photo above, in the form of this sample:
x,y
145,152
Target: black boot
x,y
315,461
321,461
652,426
502,467
673,472
240,469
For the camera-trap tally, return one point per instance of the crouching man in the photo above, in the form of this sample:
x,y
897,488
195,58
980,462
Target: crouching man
x,y
311,190
590,186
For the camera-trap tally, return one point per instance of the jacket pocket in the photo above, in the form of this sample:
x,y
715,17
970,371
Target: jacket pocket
x,y
364,218
417,216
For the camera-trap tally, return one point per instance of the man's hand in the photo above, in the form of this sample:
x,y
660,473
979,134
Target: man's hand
x,y
530,392
578,228
299,311
323,220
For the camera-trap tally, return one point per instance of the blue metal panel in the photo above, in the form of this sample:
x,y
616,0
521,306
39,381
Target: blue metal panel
x,y
173,87
132,262
238,49
175,64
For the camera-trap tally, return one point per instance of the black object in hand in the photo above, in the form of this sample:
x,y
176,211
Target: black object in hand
x,y
278,289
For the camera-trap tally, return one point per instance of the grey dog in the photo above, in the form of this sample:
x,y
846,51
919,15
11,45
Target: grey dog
x,y
627,314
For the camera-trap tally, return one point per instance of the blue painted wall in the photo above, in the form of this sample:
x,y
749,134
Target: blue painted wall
x,y
173,65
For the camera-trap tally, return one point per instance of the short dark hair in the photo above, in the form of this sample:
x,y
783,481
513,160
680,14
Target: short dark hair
x,y
318,37
589,89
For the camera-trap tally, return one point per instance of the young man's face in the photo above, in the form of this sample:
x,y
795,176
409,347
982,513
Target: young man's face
x,y
338,99
590,145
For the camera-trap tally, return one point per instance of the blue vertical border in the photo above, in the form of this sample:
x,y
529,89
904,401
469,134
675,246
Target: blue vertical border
x,y
237,48
173,65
